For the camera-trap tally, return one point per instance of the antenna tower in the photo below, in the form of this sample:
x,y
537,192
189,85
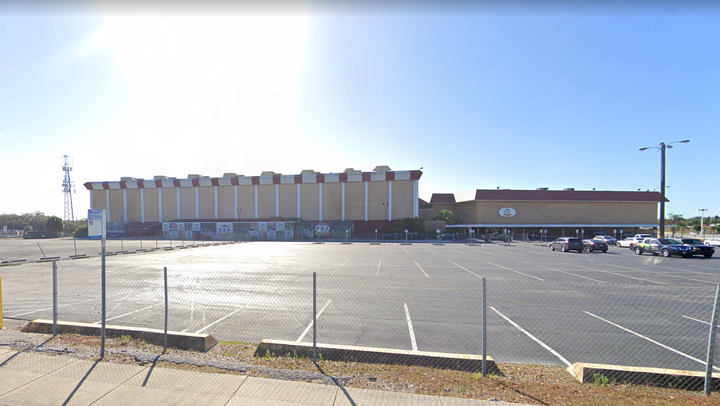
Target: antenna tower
x,y
68,186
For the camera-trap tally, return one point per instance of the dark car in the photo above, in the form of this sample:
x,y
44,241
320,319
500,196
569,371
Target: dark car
x,y
449,236
595,244
565,244
201,236
664,246
698,248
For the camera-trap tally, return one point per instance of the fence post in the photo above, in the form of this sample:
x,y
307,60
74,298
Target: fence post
x,y
484,329
314,319
102,300
166,308
711,344
55,294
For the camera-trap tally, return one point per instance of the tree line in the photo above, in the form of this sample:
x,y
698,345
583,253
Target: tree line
x,y
37,221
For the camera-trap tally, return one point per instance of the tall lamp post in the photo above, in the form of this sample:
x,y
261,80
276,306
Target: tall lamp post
x,y
702,215
662,148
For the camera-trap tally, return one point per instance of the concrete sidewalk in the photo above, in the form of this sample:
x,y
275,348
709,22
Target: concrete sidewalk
x,y
28,378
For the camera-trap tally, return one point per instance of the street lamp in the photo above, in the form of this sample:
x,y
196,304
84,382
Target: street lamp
x,y
662,148
702,215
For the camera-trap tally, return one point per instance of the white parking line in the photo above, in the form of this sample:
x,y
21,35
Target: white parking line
x,y
435,253
410,327
568,273
126,314
378,271
218,321
655,273
698,320
458,252
618,274
547,347
311,323
512,270
651,340
341,265
50,308
418,265
462,267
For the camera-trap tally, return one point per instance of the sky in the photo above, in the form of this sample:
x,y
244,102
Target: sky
x,y
480,95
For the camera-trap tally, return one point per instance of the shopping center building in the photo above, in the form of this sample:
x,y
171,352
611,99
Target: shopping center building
x,y
333,205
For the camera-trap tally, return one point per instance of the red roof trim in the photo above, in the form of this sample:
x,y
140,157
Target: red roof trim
x,y
298,178
123,184
343,177
106,185
195,182
176,182
276,179
415,175
255,180
390,175
158,183
366,176
214,182
141,184
320,178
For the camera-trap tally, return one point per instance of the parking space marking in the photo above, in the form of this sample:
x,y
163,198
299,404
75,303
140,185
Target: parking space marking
x,y
698,320
690,357
685,270
341,265
378,270
430,250
410,327
462,267
50,308
311,322
418,265
458,252
655,273
218,320
406,251
512,270
127,314
568,273
527,333
618,274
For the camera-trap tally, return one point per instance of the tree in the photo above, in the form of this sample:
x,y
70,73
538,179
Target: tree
x,y
54,224
677,220
416,225
447,216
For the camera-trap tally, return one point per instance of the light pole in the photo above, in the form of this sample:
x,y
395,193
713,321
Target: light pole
x,y
662,148
702,215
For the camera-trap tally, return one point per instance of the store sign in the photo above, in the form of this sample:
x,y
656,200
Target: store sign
x,y
507,212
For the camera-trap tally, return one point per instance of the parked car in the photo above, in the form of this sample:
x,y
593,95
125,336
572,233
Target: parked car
x,y
201,236
713,242
565,244
698,248
449,236
595,244
625,242
609,240
637,239
664,246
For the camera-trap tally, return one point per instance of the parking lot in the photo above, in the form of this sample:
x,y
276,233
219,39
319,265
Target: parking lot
x,y
543,307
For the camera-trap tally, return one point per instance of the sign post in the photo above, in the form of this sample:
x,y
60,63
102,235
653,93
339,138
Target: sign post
x,y
97,230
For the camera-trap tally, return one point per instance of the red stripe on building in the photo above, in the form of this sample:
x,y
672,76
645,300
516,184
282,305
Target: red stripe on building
x,y
366,176
214,182
106,185
343,177
298,178
320,178
255,180
415,175
141,184
276,179
234,181
123,184
195,182
390,175
158,183
88,185
176,182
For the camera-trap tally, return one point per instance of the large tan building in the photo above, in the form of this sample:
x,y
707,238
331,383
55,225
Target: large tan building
x,y
561,212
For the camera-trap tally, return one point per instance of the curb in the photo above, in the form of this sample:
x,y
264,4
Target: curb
x,y
669,378
460,362
183,341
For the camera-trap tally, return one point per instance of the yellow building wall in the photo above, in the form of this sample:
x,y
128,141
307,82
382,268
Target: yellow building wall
x,y
116,205
288,200
187,203
403,196
377,195
134,212
246,201
207,202
99,200
266,201
355,202
169,198
309,202
226,202
152,211
332,201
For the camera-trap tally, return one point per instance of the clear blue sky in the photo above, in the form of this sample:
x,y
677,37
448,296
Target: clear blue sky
x,y
480,96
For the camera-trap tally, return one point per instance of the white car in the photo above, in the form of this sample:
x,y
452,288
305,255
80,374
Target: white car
x,y
606,238
713,242
625,243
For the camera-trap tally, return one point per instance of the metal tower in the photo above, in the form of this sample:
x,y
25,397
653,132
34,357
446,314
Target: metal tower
x,y
68,187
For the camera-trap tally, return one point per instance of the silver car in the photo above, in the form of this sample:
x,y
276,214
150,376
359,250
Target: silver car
x,y
713,242
606,238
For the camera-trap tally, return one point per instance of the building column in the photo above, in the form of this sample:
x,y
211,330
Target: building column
x,y
320,218
416,196
390,200
256,201
107,204
178,202
366,201
142,205
91,199
236,206
343,201
197,202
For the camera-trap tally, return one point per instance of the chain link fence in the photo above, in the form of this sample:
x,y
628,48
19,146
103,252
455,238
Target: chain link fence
x,y
402,319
